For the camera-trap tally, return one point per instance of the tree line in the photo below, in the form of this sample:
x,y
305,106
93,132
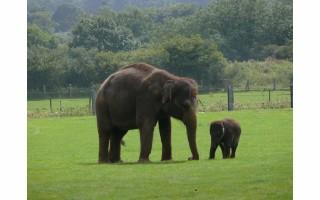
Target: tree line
x,y
69,45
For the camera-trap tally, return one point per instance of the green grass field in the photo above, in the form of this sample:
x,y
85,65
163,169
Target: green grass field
x,y
62,155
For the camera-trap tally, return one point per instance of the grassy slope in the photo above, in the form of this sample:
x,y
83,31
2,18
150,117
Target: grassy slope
x,y
62,154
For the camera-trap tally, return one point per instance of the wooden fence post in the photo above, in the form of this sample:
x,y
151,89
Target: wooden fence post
x,y
230,97
93,97
291,94
44,90
50,105
247,88
269,95
89,108
70,88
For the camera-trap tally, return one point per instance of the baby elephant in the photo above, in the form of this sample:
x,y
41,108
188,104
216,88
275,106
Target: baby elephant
x,y
226,134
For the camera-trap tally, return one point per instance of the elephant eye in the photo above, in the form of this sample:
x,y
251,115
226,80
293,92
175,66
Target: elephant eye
x,y
186,104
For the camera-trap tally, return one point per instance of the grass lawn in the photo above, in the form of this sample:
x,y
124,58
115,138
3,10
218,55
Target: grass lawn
x,y
62,155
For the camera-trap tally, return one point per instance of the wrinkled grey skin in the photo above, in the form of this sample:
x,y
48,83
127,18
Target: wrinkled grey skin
x,y
137,97
226,134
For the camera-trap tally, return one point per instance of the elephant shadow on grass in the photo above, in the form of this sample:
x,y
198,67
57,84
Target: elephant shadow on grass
x,y
140,163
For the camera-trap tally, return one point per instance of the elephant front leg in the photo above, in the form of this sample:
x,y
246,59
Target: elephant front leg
x,y
213,151
165,134
146,136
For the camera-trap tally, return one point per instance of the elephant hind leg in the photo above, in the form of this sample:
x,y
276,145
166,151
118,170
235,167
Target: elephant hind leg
x,y
222,147
104,138
234,149
225,148
115,144
104,132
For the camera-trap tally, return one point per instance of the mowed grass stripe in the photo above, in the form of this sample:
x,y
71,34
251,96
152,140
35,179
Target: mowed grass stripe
x,y
62,155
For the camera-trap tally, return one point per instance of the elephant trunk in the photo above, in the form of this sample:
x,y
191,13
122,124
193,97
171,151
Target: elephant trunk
x,y
190,121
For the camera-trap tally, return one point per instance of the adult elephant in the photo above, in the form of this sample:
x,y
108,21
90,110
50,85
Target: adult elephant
x,y
137,97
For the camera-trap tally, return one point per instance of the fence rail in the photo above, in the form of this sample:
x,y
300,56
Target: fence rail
x,y
67,93
73,105
64,93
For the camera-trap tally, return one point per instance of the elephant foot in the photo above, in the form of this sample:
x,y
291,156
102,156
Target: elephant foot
x,y
117,161
103,161
144,160
166,159
193,158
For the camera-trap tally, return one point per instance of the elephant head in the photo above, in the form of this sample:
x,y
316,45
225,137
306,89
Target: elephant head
x,y
217,131
178,96
180,101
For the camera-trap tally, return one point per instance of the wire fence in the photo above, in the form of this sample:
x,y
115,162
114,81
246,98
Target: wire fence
x,y
258,99
61,93
80,102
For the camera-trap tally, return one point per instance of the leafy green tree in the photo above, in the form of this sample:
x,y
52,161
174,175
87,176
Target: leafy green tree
x,y
46,67
81,68
277,51
237,24
278,27
195,57
173,11
184,39
241,29
66,16
38,37
42,19
137,21
104,34
108,62
50,5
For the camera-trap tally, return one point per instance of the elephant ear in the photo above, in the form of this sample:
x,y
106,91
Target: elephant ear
x,y
160,85
219,130
167,91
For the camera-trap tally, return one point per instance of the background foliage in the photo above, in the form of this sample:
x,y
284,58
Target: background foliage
x,y
81,42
